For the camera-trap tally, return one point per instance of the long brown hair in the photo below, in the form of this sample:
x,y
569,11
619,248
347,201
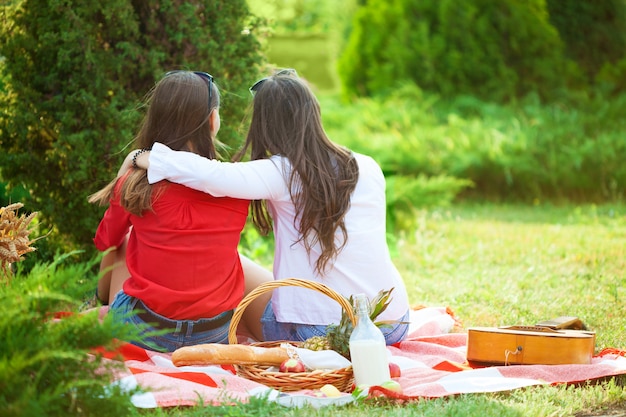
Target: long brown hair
x,y
286,120
177,116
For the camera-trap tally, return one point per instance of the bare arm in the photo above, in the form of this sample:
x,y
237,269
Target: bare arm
x,y
142,160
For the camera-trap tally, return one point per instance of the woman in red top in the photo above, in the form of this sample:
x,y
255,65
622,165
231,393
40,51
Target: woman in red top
x,y
184,273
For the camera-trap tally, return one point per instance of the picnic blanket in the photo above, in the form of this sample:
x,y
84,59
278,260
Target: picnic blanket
x,y
432,360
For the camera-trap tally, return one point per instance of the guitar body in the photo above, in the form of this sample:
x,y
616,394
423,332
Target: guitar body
x,y
529,345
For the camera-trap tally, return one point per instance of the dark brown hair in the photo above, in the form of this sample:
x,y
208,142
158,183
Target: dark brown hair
x,y
177,116
286,120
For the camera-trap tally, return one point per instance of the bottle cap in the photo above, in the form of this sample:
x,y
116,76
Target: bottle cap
x,y
362,303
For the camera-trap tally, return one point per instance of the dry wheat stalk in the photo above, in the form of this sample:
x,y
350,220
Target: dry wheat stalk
x,y
14,240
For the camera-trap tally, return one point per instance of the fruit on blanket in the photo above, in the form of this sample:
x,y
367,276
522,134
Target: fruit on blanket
x,y
292,365
330,391
394,370
338,335
392,386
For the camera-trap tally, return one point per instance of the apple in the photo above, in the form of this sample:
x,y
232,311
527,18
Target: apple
x,y
330,391
292,365
392,386
394,370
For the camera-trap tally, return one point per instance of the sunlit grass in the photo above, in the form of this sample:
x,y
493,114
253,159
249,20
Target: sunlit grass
x,y
495,265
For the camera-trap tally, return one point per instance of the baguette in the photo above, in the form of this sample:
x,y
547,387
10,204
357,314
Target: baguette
x,y
219,354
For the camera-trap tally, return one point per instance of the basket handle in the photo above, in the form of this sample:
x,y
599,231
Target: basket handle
x,y
294,282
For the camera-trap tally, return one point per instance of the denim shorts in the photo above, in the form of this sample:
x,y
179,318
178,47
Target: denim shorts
x,y
123,306
274,330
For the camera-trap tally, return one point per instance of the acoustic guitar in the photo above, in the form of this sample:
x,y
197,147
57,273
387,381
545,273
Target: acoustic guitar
x,y
526,345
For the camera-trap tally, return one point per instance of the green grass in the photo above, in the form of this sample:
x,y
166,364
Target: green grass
x,y
497,265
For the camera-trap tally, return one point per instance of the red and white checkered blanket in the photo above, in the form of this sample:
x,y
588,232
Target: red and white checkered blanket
x,y
432,361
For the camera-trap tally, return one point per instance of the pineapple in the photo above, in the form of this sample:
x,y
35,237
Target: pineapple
x,y
317,343
338,335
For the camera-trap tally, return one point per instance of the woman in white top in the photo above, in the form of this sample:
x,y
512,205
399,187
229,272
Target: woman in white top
x,y
325,204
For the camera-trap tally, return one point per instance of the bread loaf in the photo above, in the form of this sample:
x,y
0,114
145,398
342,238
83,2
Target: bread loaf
x,y
219,354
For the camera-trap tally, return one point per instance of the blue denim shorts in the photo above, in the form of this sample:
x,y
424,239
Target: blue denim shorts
x,y
274,330
123,306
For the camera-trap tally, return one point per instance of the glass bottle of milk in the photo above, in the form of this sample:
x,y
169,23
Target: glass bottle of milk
x,y
368,351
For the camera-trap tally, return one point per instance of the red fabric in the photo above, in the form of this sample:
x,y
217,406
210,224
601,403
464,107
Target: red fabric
x,y
432,364
182,256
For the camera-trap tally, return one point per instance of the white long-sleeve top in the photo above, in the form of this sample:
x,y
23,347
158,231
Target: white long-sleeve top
x,y
363,266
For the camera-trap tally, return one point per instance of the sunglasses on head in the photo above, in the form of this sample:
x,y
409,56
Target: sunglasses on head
x,y
284,72
201,74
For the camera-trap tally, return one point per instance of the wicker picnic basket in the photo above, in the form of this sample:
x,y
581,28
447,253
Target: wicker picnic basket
x,y
291,381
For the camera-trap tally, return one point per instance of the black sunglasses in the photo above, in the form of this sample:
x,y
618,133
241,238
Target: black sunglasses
x,y
284,72
200,74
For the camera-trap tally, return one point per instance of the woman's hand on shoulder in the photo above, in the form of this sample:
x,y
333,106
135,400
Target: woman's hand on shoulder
x,y
127,164
138,158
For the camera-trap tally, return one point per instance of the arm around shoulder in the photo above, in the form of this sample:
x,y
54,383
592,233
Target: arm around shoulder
x,y
259,179
136,159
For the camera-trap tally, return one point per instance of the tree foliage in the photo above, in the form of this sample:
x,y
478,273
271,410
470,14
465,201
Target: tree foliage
x,y
74,74
491,49
594,32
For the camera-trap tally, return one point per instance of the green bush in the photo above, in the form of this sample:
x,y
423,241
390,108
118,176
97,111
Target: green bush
x,y
528,152
45,366
492,49
594,33
408,195
74,75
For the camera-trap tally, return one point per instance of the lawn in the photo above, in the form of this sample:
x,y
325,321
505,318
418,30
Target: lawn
x,y
497,265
